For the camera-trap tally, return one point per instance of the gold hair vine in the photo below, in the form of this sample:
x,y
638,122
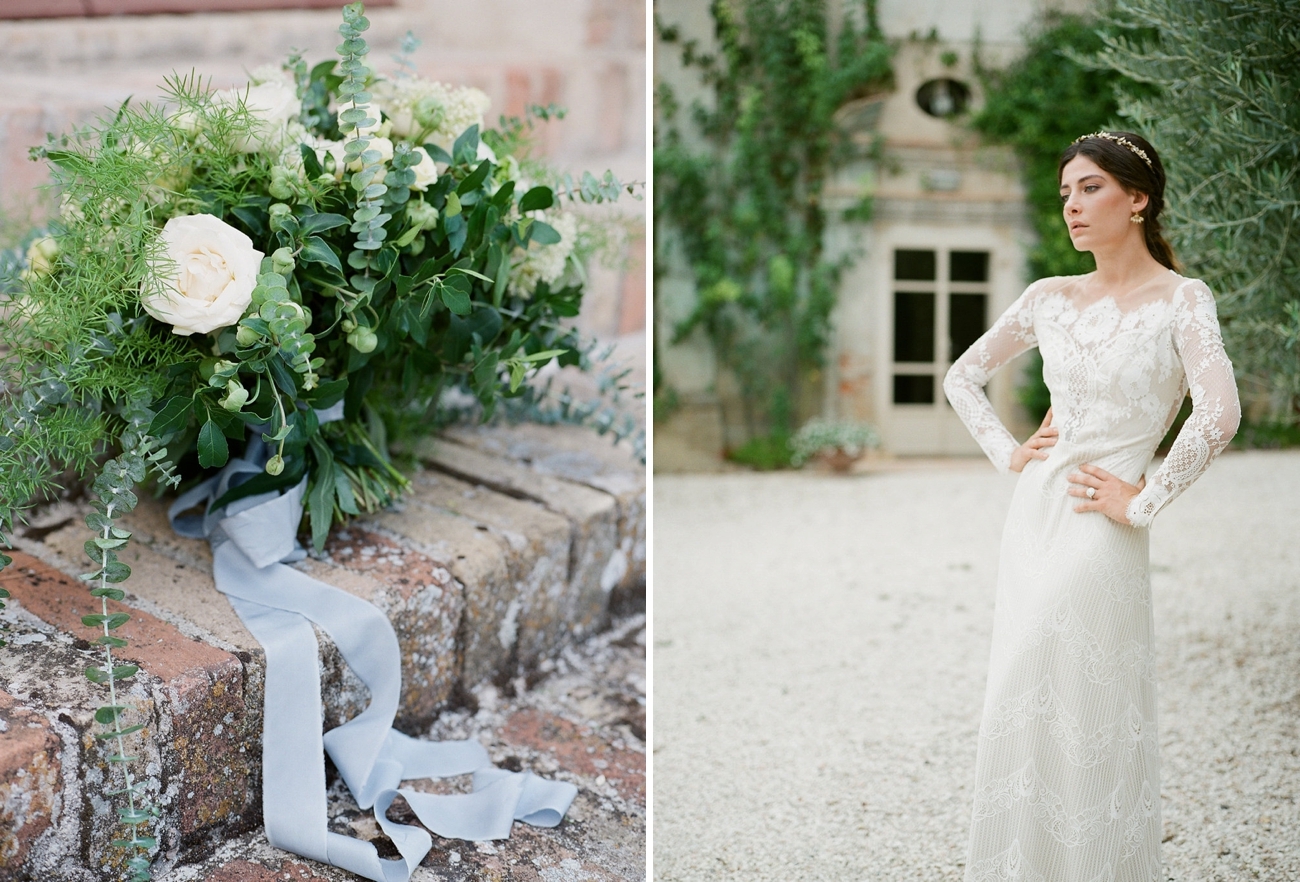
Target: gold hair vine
x,y
1123,142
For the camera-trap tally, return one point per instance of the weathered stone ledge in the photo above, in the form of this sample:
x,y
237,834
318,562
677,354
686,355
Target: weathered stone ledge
x,y
514,542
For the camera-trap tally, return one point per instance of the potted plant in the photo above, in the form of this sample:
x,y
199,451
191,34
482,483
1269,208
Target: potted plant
x,y
838,443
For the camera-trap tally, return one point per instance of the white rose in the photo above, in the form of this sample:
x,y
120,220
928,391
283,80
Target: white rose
x,y
485,152
40,257
403,120
272,105
207,279
383,145
332,150
426,170
372,112
187,121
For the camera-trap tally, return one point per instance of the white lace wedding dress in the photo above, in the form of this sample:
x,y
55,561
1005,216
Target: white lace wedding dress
x,y
1067,776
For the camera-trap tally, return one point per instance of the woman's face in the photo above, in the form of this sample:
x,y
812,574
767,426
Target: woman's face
x,y
1096,208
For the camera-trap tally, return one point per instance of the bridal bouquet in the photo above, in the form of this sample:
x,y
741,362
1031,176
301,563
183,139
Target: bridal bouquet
x,y
319,244
309,262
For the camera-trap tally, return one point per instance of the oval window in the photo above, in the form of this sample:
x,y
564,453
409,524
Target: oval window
x,y
943,97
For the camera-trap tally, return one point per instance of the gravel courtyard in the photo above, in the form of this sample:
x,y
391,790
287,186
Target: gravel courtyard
x,y
821,644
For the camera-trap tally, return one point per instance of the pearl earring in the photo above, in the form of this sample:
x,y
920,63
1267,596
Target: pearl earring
x,y
1136,219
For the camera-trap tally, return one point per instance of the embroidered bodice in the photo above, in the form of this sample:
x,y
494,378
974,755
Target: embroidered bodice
x,y
1117,373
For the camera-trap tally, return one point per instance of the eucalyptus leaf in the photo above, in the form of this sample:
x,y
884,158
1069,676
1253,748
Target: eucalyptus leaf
x,y
173,416
469,272
475,178
437,154
544,233
455,300
466,146
319,223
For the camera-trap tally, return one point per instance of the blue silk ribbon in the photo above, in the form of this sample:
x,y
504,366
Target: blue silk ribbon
x,y
252,540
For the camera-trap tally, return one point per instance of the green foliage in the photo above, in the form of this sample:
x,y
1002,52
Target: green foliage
x,y
746,209
1223,113
609,413
764,452
372,294
1038,106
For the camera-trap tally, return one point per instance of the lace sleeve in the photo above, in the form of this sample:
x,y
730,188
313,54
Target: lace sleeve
x,y
964,384
1216,411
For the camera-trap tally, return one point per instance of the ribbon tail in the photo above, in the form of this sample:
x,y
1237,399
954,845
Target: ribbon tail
x,y
293,760
542,803
483,814
360,857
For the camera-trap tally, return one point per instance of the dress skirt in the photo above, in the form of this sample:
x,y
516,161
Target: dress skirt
x,y
1067,774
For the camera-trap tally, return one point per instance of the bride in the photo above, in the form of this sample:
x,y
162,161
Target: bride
x,y
1067,775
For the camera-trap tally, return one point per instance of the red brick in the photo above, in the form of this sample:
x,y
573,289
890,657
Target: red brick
x,y
29,779
578,750
404,570
155,645
206,719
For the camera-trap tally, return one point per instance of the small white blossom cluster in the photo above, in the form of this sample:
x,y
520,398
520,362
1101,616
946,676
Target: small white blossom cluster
x,y
823,436
543,263
425,110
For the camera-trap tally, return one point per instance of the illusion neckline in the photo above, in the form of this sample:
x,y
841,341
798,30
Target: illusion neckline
x,y
1111,299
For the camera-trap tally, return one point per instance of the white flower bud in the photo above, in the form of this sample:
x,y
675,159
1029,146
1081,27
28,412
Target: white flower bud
x,y
363,340
236,396
426,170
41,255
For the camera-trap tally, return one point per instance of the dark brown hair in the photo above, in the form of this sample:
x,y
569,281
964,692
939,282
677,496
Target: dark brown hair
x,y
1135,176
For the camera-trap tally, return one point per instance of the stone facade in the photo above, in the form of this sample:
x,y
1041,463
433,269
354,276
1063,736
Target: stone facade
x,y
938,191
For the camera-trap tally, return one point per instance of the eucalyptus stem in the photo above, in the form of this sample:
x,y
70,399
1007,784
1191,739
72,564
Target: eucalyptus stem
x,y
108,640
113,497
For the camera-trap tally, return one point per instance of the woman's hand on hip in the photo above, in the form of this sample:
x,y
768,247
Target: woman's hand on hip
x,y
1035,447
1109,495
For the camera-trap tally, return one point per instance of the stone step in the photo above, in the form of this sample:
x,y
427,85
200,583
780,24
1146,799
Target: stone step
x,y
200,706
489,568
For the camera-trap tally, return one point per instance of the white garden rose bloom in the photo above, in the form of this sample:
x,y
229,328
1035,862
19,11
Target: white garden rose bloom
x,y
426,170
207,278
272,105
383,145
187,121
40,257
